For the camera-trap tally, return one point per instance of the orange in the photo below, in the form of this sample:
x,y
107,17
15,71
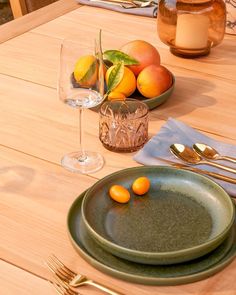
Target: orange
x,y
153,81
145,53
141,185
116,96
119,193
86,70
128,83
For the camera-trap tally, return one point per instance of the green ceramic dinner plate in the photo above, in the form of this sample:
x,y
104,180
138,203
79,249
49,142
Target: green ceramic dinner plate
x,y
183,216
175,274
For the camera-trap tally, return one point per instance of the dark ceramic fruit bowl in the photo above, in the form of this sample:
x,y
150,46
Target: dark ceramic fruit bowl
x,y
153,102
183,216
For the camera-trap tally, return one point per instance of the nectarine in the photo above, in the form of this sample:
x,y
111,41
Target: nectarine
x,y
153,81
145,53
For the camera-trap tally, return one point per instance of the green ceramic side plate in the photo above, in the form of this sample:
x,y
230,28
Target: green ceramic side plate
x,y
184,273
183,216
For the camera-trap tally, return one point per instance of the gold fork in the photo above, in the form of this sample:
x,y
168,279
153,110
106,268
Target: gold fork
x,y
63,291
123,4
73,279
63,288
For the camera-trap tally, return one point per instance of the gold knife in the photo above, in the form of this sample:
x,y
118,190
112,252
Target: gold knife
x,y
201,171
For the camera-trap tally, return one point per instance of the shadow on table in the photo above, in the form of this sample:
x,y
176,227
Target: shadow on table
x,y
223,54
15,178
189,94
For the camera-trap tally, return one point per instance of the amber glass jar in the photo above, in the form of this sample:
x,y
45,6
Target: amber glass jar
x,y
191,27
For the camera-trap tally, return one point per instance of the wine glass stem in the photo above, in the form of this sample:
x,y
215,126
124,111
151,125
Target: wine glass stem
x,y
83,156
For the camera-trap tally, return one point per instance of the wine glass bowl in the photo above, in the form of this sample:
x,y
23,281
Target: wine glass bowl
x,y
81,86
84,94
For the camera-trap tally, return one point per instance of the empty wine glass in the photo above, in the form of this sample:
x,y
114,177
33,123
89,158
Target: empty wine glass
x,y
80,85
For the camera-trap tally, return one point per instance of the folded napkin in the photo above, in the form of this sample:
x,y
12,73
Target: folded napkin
x,y
174,131
145,11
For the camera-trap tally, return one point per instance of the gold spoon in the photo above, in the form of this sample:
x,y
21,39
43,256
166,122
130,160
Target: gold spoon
x,y
188,155
209,153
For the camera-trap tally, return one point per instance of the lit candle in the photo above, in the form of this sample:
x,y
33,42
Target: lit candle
x,y
192,31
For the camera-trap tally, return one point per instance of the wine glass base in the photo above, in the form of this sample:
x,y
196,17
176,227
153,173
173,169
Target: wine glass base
x,y
85,163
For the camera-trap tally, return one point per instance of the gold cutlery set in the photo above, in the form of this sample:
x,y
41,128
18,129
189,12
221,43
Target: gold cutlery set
x,y
127,4
198,155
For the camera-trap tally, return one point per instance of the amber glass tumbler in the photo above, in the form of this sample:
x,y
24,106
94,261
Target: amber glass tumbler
x,y
191,27
123,125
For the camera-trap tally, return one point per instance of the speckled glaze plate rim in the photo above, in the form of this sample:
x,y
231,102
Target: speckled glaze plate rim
x,y
147,280
119,250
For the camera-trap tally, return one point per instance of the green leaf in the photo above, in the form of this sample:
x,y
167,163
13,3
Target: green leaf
x,y
116,56
115,76
91,70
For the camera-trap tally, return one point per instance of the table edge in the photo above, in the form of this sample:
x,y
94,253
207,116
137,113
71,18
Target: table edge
x,y
36,18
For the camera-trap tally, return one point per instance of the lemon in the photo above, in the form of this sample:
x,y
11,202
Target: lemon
x,y
86,70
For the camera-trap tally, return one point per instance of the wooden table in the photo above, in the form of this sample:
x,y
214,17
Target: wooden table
x,y
36,129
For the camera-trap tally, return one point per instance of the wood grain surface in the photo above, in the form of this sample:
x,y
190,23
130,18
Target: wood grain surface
x,y
36,130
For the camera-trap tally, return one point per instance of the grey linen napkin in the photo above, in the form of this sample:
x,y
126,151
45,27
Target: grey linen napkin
x,y
145,11
174,131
